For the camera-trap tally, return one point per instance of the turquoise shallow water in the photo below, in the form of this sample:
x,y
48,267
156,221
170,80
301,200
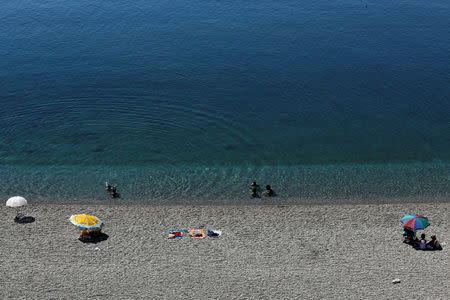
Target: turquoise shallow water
x,y
393,183
190,101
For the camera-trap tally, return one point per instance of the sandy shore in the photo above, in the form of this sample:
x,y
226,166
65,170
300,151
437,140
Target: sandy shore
x,y
266,252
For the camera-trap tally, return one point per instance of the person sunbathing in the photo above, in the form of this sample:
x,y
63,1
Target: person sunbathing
x,y
212,233
20,218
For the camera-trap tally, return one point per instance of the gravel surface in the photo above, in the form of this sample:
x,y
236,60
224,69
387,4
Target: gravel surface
x,y
265,252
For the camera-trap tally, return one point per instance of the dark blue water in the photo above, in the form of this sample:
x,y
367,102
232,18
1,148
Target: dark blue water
x,y
189,101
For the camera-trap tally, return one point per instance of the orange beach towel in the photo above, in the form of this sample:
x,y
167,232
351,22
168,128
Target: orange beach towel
x,y
197,233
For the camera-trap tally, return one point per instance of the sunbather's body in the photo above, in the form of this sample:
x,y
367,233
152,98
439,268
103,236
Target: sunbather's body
x,y
175,234
196,233
212,233
20,216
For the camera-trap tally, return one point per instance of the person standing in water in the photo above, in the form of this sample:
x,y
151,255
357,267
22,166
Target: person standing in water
x,y
114,192
254,186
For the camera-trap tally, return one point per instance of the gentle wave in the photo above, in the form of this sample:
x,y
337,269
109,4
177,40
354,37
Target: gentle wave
x,y
230,185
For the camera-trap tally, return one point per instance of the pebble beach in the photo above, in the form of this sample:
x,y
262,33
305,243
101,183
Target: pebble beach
x,y
265,252
342,107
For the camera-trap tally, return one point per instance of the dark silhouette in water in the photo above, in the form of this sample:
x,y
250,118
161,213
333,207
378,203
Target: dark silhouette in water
x,y
269,191
114,193
112,190
254,193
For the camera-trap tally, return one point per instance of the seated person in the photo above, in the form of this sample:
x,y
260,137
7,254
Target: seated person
x,y
410,236
422,244
84,235
269,191
434,244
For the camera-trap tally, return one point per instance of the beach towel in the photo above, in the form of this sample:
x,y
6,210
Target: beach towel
x,y
197,233
175,234
214,233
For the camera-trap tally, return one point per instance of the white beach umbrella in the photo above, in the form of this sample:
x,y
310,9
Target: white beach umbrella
x,y
16,201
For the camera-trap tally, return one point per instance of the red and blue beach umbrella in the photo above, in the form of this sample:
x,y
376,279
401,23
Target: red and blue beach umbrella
x,y
415,222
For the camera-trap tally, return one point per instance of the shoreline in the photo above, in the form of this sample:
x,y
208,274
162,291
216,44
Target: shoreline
x,y
248,201
206,185
266,251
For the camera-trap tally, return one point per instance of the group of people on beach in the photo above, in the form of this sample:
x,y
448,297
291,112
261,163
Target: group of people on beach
x,y
411,239
255,187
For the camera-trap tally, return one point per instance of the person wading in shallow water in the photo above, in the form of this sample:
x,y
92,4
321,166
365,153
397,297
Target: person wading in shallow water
x,y
114,192
254,186
269,191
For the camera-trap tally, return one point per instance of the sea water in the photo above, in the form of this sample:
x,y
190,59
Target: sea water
x,y
190,101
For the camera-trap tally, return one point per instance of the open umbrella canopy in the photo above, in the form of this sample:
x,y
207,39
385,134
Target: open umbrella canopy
x,y
408,218
16,201
415,222
86,222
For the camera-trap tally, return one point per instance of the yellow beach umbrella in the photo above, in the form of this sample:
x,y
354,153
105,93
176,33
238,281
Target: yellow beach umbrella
x,y
86,222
